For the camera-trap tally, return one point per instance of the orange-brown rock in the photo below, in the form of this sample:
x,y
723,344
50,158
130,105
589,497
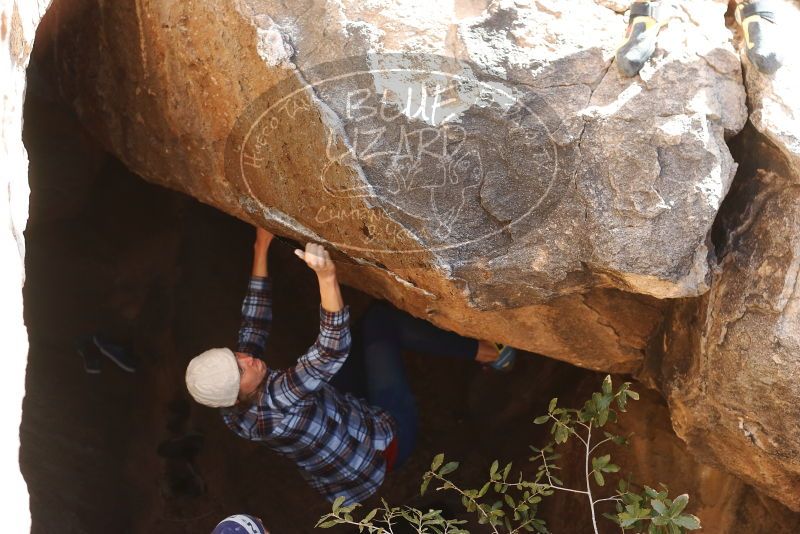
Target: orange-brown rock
x,y
513,192
485,166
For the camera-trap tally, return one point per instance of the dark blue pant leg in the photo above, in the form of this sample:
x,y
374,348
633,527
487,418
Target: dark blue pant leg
x,y
387,333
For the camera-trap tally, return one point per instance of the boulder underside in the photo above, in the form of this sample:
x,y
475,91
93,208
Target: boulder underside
x,y
486,167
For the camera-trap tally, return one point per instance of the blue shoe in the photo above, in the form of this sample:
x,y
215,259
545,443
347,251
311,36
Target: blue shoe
x,y
91,359
116,353
505,359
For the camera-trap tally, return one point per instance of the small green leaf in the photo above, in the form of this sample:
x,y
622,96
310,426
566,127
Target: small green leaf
x,y
542,419
602,418
437,462
601,461
337,503
493,469
328,524
424,487
610,468
633,395
552,406
562,434
660,520
598,477
602,402
506,471
617,440
659,507
687,521
448,468
369,516
607,385
678,505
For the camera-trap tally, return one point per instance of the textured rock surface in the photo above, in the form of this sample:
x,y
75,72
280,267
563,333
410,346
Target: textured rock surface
x,y
734,389
774,100
18,21
560,190
549,203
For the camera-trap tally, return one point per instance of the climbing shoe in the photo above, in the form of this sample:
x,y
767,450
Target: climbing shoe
x,y
758,21
118,354
640,38
506,356
90,356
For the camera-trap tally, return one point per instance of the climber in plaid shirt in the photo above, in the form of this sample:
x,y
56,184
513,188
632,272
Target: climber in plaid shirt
x,y
341,445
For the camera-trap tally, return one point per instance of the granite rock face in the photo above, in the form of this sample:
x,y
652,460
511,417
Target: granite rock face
x,y
483,165
733,391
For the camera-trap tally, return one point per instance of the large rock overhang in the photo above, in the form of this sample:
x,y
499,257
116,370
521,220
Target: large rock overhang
x,y
583,267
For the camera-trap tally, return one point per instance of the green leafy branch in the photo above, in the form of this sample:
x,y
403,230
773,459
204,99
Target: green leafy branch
x,y
373,523
511,506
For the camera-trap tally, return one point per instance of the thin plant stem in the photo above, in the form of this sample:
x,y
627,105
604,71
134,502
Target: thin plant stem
x,y
460,492
588,473
608,499
550,480
519,528
598,444
572,431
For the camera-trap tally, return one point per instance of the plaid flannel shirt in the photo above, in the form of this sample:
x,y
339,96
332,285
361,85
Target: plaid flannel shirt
x,y
334,438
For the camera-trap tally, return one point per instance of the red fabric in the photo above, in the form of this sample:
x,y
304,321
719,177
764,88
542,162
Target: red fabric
x,y
390,455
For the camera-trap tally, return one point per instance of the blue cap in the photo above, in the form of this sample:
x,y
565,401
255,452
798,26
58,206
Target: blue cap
x,y
240,524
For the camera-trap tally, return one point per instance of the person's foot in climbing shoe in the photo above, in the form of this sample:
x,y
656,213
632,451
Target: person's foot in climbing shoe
x,y
119,354
640,38
495,356
89,354
759,25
